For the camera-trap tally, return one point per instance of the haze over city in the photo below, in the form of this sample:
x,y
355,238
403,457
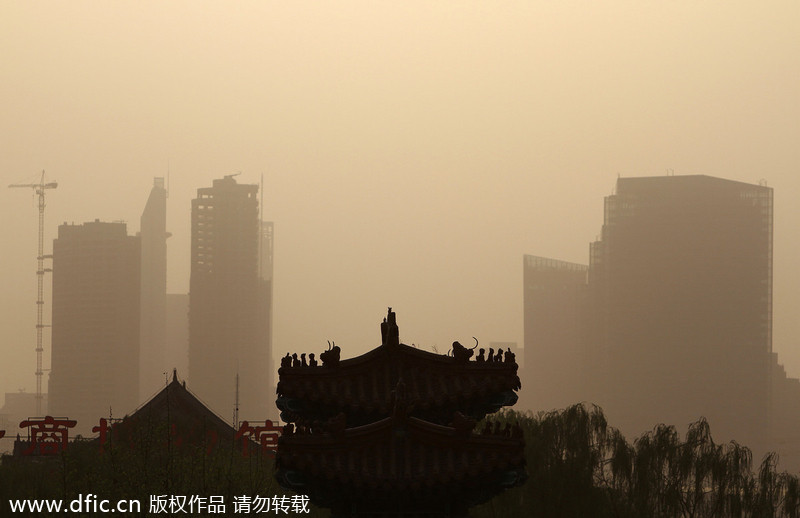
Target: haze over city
x,y
411,153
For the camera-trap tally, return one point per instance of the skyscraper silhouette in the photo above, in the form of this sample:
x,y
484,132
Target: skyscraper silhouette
x,y
680,288
553,298
228,311
95,351
153,236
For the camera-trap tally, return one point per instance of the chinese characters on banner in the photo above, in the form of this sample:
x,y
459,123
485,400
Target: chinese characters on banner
x,y
265,436
103,429
50,436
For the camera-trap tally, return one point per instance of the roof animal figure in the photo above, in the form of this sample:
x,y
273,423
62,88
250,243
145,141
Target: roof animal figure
x,y
330,358
461,353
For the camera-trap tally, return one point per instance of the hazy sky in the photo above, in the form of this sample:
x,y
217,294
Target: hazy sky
x,y
412,151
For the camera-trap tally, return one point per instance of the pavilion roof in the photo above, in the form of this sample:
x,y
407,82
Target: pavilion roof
x,y
401,455
177,407
362,387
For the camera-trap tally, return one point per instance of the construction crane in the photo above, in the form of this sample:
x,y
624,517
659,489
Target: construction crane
x,y
39,189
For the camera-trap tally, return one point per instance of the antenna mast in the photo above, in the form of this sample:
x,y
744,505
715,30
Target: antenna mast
x,y
261,230
236,402
39,190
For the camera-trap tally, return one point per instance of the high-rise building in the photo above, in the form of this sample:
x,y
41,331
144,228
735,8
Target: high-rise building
x,y
553,296
95,334
153,235
229,322
680,291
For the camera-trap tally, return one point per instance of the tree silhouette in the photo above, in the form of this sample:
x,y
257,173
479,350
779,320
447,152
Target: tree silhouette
x,y
578,465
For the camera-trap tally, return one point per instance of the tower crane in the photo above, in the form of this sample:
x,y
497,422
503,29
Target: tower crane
x,y
39,189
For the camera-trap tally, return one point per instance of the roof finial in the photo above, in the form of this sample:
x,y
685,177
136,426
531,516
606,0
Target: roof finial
x,y
390,333
174,374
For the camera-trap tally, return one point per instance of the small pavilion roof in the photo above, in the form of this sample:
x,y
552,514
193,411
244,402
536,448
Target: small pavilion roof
x,y
178,406
363,386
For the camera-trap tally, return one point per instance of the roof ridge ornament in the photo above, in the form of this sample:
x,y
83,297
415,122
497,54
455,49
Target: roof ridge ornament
x,y
390,333
461,353
330,358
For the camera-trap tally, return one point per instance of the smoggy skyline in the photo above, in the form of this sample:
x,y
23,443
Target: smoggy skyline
x,y
411,152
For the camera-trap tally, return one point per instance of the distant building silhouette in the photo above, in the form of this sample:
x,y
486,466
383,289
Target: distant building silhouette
x,y
680,288
153,292
17,407
95,334
553,295
229,303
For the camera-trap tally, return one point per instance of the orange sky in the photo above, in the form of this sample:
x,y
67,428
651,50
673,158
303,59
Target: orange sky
x,y
412,151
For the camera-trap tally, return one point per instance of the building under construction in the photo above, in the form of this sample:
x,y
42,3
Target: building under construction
x,y
681,305
230,301
40,189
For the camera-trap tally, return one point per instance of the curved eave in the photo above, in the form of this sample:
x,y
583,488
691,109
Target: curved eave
x,y
382,431
365,383
358,362
399,455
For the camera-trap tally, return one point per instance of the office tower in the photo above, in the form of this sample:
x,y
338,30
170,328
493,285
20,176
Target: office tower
x,y
95,351
153,235
228,322
681,297
553,296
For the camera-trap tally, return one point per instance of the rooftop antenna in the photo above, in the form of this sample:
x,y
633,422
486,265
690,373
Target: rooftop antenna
x,y
167,178
39,189
236,402
261,229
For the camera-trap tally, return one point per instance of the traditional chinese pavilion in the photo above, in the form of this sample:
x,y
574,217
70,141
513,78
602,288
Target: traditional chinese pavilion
x,y
392,432
176,412
173,417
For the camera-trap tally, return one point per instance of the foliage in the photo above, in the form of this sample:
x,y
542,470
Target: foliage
x,y
578,465
149,463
